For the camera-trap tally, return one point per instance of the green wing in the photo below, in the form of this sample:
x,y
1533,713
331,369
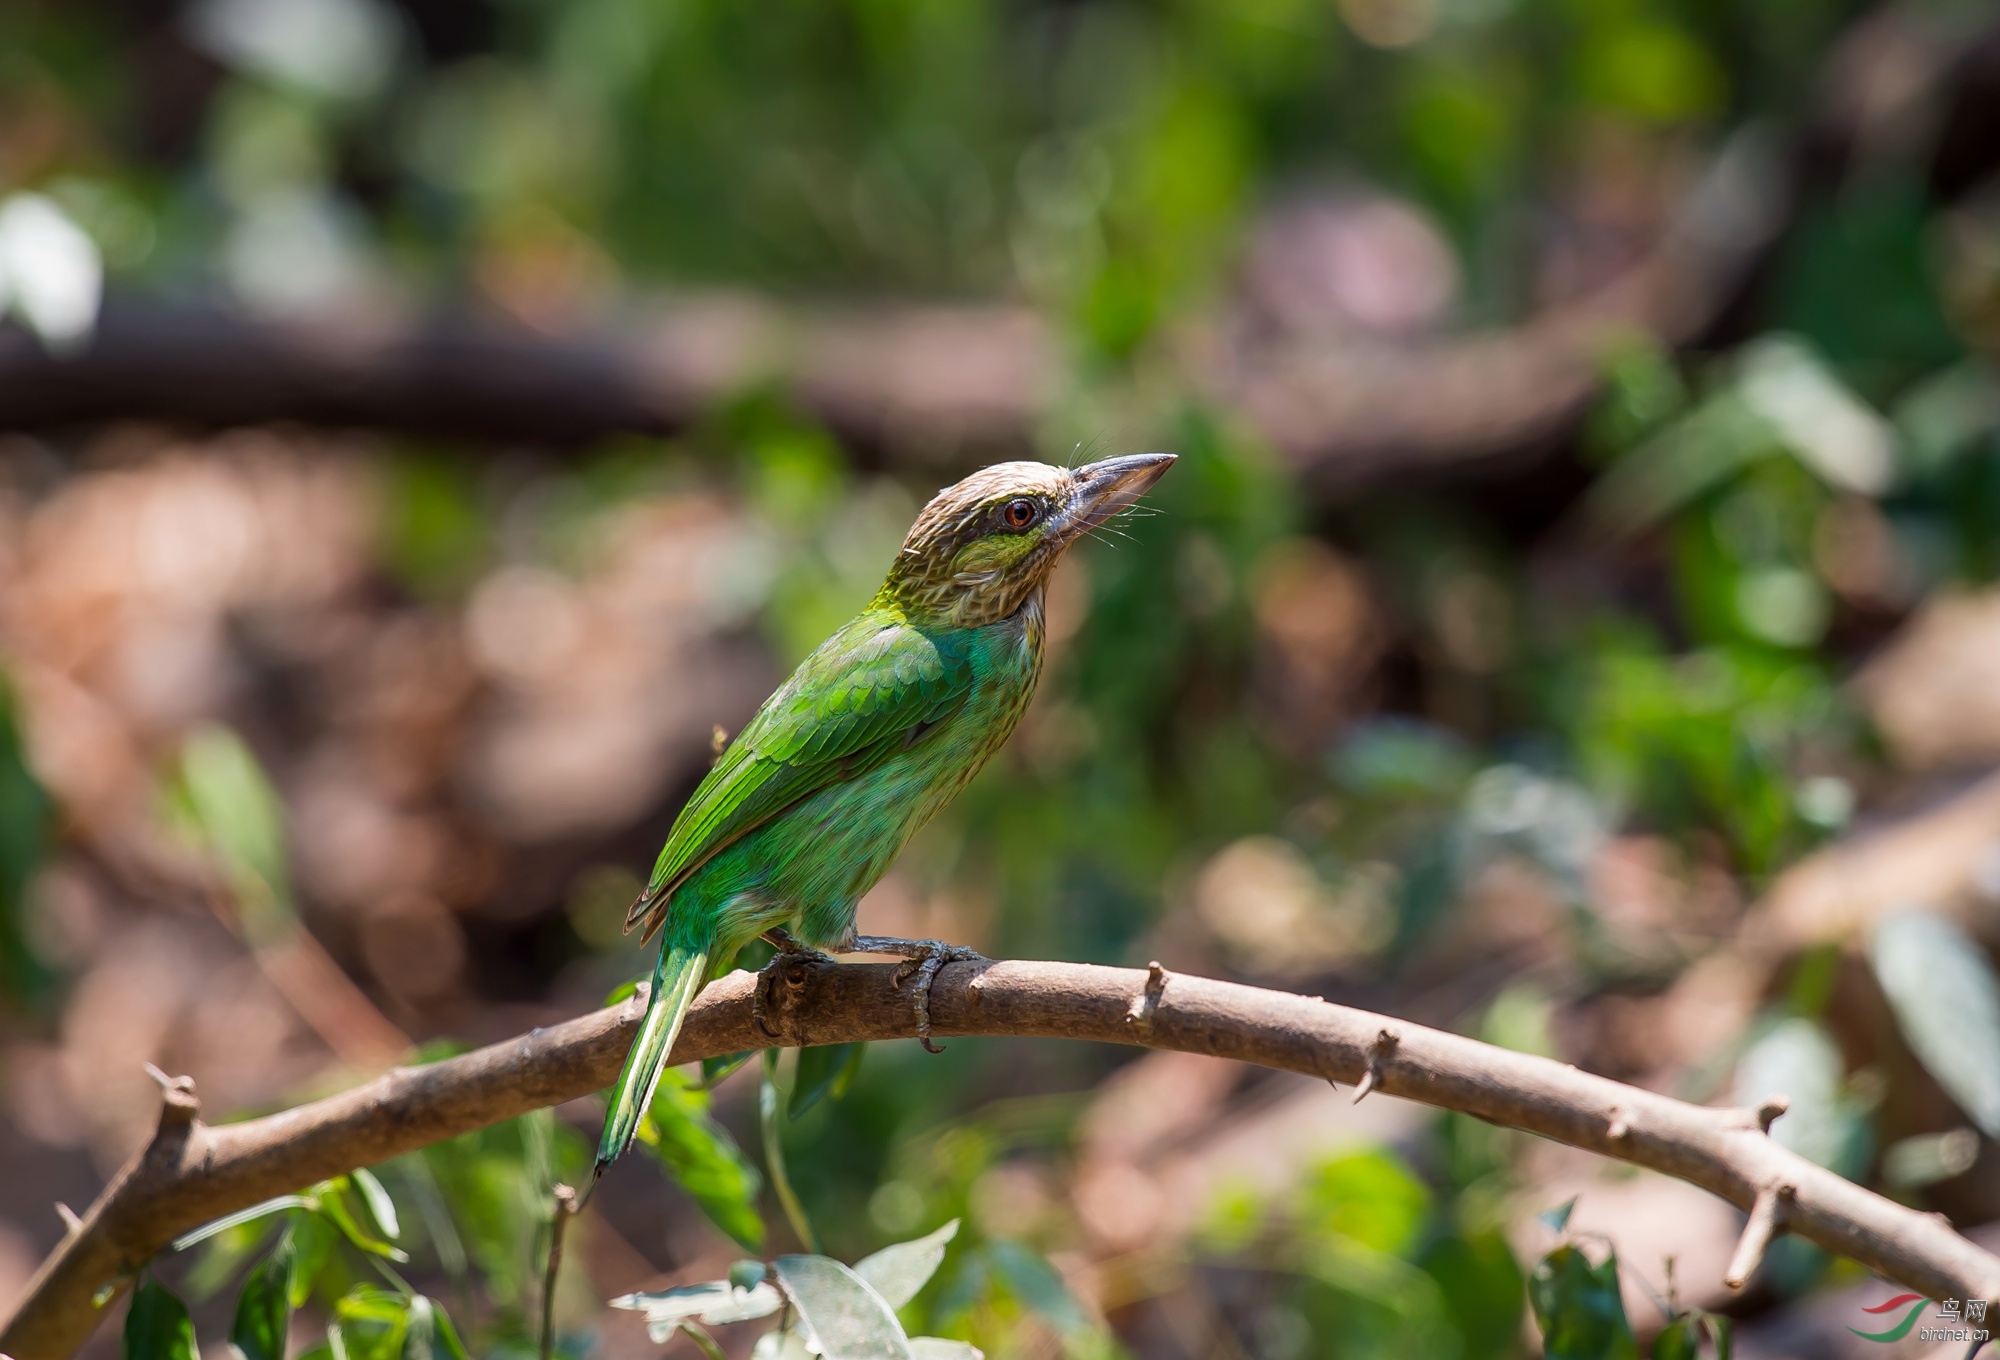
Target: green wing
x,y
872,687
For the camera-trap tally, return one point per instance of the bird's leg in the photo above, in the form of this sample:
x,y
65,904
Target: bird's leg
x,y
922,960
785,943
788,946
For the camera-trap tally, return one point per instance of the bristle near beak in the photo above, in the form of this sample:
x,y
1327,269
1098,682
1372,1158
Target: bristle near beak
x,y
1106,487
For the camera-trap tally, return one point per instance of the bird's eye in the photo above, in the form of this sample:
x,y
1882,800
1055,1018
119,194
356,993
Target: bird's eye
x,y
1020,514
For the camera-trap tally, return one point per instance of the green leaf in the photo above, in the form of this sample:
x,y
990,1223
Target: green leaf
x,y
1681,462
1482,1290
1947,1003
897,1273
703,1158
264,1308
1798,1060
380,1207
312,1246
783,1344
370,1324
1557,1219
703,1342
1369,1197
24,843
1579,1309
715,1302
1680,1341
1031,1279
771,1130
226,1255
1927,1158
240,1217
495,1184
420,1343
242,821
844,1319
333,1204
621,992
447,1334
422,1186
1683,1337
825,1070
714,1071
157,1326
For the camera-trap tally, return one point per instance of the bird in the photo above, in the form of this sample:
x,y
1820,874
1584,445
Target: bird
x,y
877,729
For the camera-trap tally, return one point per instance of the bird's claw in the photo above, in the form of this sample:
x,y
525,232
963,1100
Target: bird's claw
x,y
922,960
789,948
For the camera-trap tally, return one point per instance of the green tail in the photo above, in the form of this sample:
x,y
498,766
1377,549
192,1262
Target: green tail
x,y
677,978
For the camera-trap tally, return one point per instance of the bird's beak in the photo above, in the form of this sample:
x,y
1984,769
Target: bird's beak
x,y
1104,488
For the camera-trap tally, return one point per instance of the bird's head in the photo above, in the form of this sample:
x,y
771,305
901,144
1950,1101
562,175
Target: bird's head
x,y
984,545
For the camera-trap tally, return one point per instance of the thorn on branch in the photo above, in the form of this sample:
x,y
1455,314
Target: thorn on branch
x,y
1766,1222
1140,1016
71,1223
178,1105
1371,1077
1620,1127
1768,1110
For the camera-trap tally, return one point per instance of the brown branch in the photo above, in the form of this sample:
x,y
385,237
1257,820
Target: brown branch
x,y
566,1207
193,1172
926,379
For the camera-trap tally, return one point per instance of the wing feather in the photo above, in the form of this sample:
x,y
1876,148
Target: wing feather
x,y
848,706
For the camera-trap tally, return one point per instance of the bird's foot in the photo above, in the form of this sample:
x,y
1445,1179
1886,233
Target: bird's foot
x,y
789,948
921,959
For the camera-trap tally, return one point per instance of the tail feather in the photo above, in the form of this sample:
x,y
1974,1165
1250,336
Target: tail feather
x,y
677,979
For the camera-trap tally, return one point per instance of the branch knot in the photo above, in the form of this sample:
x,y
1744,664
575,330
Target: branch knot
x,y
1371,1076
1140,1015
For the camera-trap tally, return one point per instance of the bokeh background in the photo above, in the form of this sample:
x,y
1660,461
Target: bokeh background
x,y
1571,620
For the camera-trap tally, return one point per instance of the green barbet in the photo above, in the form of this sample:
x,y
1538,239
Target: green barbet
x,y
874,732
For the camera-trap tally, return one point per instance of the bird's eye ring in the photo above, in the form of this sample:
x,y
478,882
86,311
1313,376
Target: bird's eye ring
x,y
1020,514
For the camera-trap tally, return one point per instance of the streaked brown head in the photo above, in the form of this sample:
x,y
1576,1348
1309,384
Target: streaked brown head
x,y
984,545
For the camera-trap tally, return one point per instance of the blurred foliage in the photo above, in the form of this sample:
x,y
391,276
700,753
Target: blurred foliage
x,y
702,1156
1578,1307
24,839
1581,1311
225,806
321,1238
1656,653
826,1308
1098,160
